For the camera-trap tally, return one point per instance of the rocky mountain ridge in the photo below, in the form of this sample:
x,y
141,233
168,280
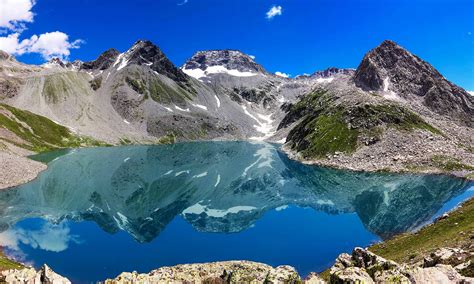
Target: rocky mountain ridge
x,y
333,117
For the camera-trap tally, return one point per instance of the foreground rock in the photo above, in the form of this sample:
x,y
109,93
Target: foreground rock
x,y
366,267
29,275
215,272
362,266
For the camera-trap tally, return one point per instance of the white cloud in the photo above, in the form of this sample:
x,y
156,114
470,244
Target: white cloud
x,y
15,13
471,93
49,237
281,74
252,56
274,11
49,45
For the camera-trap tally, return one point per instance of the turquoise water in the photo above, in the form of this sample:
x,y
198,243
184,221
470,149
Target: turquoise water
x,y
100,211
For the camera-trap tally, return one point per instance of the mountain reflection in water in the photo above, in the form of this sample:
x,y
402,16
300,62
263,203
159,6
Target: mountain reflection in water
x,y
220,187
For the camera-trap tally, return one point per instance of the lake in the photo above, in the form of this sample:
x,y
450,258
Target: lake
x,y
99,211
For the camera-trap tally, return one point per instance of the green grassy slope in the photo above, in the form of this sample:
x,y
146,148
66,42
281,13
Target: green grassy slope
x,y
37,132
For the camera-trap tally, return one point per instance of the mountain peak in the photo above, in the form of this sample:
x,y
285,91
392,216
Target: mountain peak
x,y
401,75
228,58
231,62
144,52
55,61
388,43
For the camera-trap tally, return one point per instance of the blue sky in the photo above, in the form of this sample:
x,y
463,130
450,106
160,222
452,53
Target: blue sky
x,y
307,36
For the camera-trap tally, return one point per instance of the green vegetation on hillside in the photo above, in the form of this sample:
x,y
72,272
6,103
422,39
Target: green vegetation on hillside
x,y
167,139
457,230
330,134
157,89
6,263
38,133
58,87
52,87
449,164
328,128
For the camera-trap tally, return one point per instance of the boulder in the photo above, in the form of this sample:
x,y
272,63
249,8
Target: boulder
x,y
451,256
29,275
440,273
364,266
351,275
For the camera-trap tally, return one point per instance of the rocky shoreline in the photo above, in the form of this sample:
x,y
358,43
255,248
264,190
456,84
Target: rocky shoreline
x,y
369,161
15,167
362,266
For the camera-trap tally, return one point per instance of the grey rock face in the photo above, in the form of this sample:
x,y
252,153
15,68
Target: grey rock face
x,y
104,61
4,55
76,64
9,88
56,61
389,67
230,59
146,53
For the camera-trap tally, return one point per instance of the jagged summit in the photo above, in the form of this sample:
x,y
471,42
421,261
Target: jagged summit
x,y
331,72
56,61
394,71
104,61
144,52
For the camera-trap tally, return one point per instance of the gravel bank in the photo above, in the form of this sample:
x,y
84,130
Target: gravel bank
x,y
15,168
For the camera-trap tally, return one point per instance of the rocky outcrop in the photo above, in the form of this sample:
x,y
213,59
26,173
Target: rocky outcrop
x,y
366,267
393,70
45,275
104,61
215,272
5,55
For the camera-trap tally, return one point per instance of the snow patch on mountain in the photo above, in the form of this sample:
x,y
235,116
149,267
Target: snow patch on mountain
x,y
181,109
325,80
199,73
198,209
200,106
264,126
389,94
